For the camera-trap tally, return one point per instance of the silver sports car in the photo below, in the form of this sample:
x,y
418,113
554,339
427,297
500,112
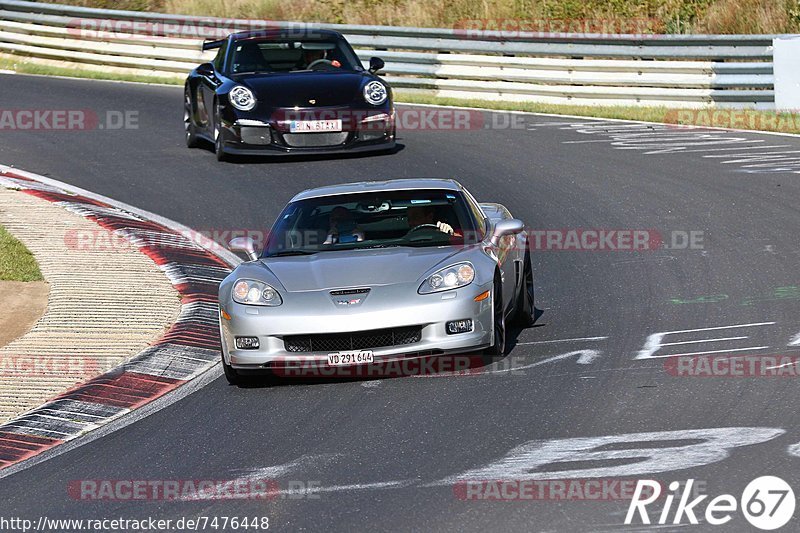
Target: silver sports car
x,y
374,272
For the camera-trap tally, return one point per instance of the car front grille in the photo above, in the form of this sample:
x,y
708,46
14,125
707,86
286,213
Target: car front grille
x,y
361,340
315,140
255,135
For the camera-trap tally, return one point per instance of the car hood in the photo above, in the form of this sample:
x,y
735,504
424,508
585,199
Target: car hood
x,y
298,88
356,268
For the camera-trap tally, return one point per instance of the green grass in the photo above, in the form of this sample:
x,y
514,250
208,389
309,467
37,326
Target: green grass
x,y
722,118
738,119
23,67
16,262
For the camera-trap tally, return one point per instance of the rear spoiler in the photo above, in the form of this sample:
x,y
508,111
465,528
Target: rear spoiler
x,y
211,45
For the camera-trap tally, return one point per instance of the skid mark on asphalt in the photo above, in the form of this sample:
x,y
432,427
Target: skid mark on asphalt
x,y
669,139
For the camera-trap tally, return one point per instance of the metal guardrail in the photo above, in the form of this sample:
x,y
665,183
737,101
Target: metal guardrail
x,y
664,70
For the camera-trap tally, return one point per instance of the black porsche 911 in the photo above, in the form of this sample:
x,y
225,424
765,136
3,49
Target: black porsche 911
x,y
287,92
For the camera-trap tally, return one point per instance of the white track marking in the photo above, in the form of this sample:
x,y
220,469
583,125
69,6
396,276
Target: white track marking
x,y
749,348
266,474
525,462
577,339
356,486
654,341
795,340
794,449
701,340
585,357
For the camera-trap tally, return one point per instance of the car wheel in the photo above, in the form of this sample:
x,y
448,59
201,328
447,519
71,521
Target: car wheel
x,y
188,121
524,311
231,374
498,347
219,146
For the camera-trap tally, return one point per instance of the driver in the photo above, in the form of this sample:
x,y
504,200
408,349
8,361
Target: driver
x,y
309,56
343,227
421,215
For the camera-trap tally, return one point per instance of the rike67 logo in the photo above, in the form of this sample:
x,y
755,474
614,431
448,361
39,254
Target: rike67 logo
x,y
767,503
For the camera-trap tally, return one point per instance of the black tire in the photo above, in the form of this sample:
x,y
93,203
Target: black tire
x,y
498,347
524,311
233,377
188,121
219,146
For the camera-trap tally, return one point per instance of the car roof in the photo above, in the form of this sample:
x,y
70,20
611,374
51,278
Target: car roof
x,y
303,32
373,186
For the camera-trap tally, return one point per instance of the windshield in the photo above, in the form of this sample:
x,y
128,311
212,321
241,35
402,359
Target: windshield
x,y
372,220
292,56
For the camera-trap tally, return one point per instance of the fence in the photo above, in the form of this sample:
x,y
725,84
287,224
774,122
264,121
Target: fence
x,y
581,69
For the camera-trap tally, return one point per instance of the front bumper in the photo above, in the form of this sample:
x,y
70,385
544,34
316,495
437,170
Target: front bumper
x,y
309,314
273,136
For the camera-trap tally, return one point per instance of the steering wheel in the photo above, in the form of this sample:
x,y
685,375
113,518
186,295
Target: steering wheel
x,y
423,227
321,61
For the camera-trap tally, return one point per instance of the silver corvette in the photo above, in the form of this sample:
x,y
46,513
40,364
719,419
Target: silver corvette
x,y
374,272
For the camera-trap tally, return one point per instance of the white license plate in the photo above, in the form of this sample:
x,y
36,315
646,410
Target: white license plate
x,y
358,357
312,126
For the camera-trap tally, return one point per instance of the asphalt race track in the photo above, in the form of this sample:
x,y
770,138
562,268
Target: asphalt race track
x,y
385,454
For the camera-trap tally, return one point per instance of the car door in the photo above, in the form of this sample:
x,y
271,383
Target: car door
x,y
210,80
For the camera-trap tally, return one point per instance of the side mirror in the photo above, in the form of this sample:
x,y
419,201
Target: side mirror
x,y
206,69
375,64
244,244
510,226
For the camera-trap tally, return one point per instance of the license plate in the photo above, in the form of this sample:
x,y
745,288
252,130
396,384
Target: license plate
x,y
312,126
358,357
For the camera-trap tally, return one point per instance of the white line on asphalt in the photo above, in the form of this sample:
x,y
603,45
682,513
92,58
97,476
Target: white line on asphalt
x,y
710,351
715,328
585,357
698,341
357,486
563,340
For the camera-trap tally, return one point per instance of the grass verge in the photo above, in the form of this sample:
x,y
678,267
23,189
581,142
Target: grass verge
x,y
23,67
16,262
745,119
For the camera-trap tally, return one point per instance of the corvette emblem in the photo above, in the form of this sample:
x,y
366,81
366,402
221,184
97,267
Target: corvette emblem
x,y
349,297
353,301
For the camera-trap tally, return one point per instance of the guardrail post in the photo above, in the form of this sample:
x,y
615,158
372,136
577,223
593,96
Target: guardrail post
x,y
786,67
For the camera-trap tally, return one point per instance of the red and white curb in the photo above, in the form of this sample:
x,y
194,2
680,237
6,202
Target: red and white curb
x,y
189,348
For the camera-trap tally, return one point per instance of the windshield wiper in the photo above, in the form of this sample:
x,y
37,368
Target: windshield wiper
x,y
284,253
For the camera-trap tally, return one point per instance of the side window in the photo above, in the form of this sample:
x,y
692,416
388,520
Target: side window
x,y
219,60
477,212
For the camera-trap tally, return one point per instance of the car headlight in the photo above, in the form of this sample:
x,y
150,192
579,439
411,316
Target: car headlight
x,y
452,277
242,98
251,292
375,93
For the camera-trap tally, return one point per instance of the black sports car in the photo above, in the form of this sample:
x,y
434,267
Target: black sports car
x,y
287,92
